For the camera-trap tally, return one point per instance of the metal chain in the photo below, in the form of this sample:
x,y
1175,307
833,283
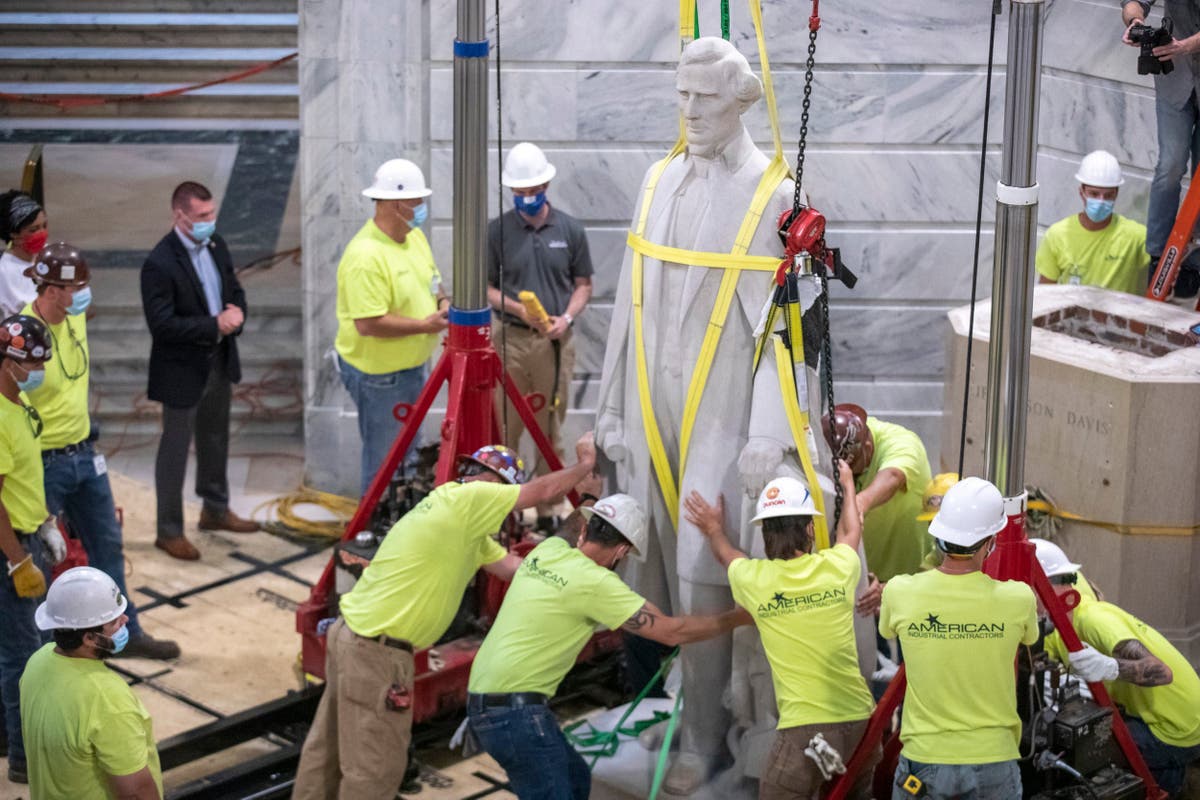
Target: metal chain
x,y
827,368
798,198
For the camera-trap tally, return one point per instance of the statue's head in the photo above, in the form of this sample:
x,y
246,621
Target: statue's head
x,y
715,86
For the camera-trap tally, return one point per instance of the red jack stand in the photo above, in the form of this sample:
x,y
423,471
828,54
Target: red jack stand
x,y
472,368
1013,560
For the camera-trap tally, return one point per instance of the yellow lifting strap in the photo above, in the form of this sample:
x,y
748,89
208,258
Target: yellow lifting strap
x,y
1131,529
797,419
733,264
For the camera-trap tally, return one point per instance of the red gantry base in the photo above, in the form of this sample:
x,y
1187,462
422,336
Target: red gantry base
x,y
472,368
1014,559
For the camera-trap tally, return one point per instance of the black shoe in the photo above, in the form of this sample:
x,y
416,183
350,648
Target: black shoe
x,y
17,773
1187,283
146,646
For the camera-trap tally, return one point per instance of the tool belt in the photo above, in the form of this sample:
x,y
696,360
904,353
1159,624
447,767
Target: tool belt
x,y
385,640
480,702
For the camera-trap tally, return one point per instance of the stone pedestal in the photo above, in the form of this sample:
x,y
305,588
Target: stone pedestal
x,y
1113,435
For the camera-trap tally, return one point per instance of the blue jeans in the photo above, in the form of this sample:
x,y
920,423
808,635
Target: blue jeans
x,y
20,640
998,781
375,396
1178,141
1167,763
528,744
75,490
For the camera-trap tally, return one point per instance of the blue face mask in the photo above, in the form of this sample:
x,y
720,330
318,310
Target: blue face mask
x,y
420,215
33,381
1098,210
529,205
119,640
80,301
203,231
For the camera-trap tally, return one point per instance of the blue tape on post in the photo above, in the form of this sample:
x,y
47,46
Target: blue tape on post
x,y
470,49
470,317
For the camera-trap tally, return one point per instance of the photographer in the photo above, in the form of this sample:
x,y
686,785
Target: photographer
x,y
1175,83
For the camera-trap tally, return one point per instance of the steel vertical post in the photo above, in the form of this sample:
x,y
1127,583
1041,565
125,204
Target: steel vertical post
x,y
470,157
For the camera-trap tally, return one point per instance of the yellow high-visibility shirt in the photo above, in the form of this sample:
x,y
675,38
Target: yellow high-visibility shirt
x,y
804,610
24,491
960,635
1112,258
62,399
378,276
894,539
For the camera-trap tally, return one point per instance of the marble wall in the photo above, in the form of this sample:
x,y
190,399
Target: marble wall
x,y
893,155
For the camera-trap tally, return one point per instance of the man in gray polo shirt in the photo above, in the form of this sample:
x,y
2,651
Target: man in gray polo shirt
x,y
544,251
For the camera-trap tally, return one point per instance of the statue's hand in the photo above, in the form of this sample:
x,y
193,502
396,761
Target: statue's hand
x,y
759,463
610,438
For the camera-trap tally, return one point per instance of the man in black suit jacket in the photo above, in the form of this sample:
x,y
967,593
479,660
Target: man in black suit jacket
x,y
195,308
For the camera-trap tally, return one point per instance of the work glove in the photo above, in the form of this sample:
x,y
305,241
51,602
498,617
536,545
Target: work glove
x,y
759,463
27,579
610,439
52,537
1092,665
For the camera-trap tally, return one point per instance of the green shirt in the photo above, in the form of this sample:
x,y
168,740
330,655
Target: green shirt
x,y
895,541
960,635
1172,712
82,723
378,275
413,586
1112,258
23,493
804,610
62,401
556,600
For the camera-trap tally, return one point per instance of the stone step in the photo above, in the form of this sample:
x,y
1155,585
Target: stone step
x,y
157,6
70,29
252,101
128,322
141,65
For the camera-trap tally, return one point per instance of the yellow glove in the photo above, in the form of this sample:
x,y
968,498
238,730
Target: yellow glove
x,y
27,579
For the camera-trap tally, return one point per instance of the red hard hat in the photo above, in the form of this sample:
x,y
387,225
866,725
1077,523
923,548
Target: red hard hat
x,y
849,437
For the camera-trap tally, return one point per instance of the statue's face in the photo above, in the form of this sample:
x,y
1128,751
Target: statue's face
x,y
711,112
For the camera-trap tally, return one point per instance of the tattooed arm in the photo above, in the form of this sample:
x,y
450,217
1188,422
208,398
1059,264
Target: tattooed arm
x,y
650,622
1137,665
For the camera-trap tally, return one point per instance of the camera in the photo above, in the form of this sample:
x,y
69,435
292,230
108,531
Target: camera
x,y
1149,37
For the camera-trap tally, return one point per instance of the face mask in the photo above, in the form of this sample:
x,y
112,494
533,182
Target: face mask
x,y
529,205
80,301
34,242
118,639
203,231
1098,210
420,215
32,382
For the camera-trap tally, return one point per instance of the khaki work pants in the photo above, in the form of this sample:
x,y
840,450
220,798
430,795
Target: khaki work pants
x,y
791,775
357,748
530,360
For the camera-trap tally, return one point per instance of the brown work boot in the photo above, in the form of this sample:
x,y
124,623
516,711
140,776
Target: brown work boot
x,y
146,646
178,547
228,521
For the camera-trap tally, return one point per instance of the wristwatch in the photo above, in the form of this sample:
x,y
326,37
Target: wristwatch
x,y
570,320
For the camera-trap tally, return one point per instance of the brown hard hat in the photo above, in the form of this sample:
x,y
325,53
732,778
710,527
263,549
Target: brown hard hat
x,y
25,338
849,437
59,264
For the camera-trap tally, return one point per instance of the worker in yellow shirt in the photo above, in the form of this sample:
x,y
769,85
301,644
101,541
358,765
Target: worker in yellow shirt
x,y
1096,247
390,309
405,600
557,598
960,631
30,540
88,735
891,471
1153,684
803,604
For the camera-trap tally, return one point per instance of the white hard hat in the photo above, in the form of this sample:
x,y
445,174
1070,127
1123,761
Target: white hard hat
x,y
785,497
526,166
82,597
398,179
1052,558
1100,168
971,511
626,515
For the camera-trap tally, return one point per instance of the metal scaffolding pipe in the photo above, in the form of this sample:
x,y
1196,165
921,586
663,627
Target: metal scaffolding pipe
x,y
1012,269
470,157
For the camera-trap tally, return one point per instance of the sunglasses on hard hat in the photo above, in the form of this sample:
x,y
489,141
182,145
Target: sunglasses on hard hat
x,y
1068,579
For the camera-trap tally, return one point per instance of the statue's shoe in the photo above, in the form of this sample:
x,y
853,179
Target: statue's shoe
x,y
687,773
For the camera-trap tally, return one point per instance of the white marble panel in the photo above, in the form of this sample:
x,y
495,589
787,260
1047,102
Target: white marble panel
x,y
539,104
319,111
1080,114
1084,37
320,23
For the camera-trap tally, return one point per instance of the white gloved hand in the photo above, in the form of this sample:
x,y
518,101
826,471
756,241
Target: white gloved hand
x,y
610,439
1092,665
759,463
52,537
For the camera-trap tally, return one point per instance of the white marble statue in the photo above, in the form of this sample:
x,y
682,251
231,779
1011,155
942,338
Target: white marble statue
x,y
698,205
